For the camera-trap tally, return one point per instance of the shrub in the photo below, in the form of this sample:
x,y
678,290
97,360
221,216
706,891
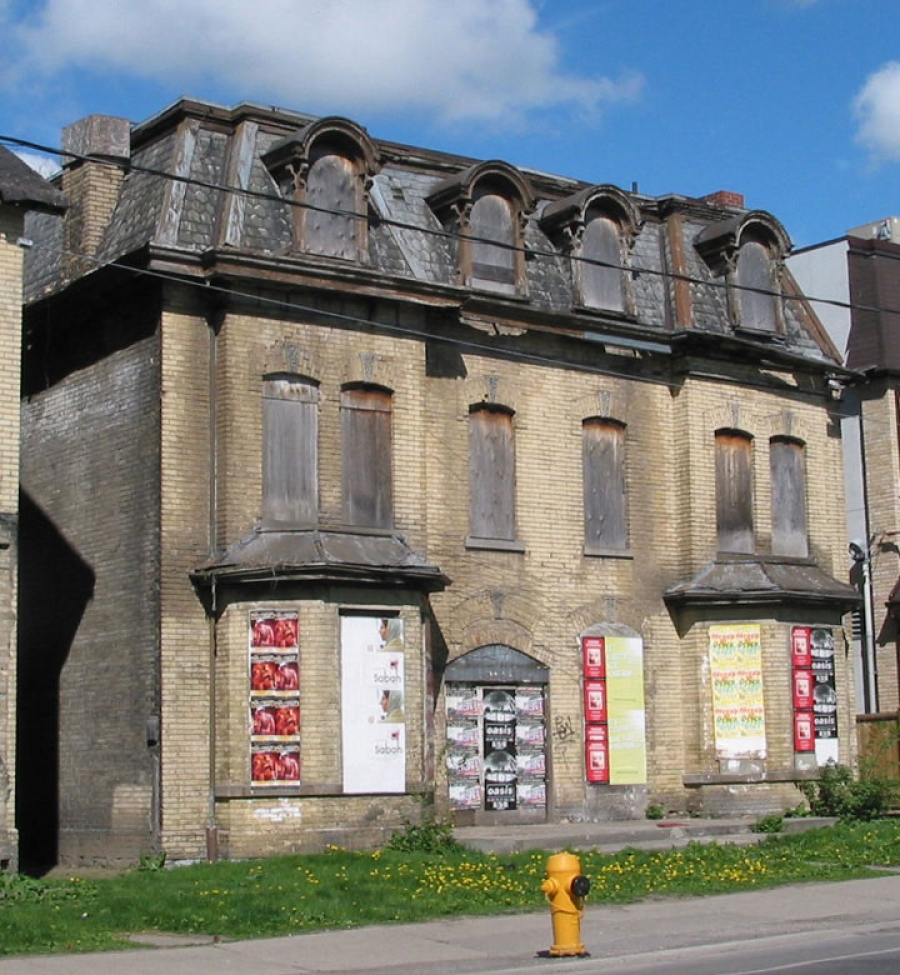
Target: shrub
x,y
429,836
770,823
837,792
655,811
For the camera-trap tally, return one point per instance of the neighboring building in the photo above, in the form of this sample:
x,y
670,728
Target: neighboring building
x,y
859,274
364,477
21,191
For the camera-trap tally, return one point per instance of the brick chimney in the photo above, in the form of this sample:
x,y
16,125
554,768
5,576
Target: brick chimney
x,y
725,198
92,185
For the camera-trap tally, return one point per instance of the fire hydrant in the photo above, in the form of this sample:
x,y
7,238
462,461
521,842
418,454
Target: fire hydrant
x,y
566,889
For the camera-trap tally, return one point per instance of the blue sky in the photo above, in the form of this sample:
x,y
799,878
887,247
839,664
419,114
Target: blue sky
x,y
794,103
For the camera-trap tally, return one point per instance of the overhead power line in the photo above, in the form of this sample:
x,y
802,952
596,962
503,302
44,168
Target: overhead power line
x,y
528,252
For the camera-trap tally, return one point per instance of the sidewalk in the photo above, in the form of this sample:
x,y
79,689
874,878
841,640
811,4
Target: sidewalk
x,y
511,942
643,834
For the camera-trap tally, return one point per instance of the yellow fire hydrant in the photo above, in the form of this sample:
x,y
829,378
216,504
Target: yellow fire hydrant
x,y
566,889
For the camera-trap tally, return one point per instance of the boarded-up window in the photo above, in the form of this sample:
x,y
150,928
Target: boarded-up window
x,y
788,464
366,481
754,270
290,450
601,283
493,267
331,188
734,493
492,473
603,460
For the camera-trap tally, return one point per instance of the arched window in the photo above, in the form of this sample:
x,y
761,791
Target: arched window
x,y
485,205
596,227
756,293
734,491
366,476
325,167
787,459
290,422
601,282
747,250
331,225
603,462
493,267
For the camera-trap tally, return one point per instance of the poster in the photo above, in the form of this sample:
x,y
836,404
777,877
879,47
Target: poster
x,y
597,753
735,657
824,690
373,722
595,701
625,707
496,747
500,766
274,708
593,651
814,692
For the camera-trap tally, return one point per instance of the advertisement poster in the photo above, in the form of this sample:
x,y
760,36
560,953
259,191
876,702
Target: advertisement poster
x,y
824,695
597,753
625,707
496,747
814,692
593,651
274,710
500,766
373,724
595,701
735,657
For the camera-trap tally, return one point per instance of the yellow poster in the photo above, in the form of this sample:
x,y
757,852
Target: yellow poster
x,y
735,666
625,701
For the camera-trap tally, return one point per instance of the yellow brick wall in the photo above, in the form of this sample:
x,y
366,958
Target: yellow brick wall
x,y
538,600
185,638
882,465
11,222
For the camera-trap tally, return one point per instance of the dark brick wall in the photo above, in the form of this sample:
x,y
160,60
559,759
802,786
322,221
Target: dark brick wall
x,y
89,601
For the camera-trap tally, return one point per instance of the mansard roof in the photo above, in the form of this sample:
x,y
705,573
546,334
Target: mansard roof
x,y
206,228
22,186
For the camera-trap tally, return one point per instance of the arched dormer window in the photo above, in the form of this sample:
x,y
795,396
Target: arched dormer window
x,y
597,227
327,169
487,206
749,251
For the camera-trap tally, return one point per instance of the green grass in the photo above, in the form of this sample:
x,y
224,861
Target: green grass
x,y
288,895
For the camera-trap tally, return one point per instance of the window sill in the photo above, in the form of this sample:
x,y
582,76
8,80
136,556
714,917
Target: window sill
x,y
495,544
608,553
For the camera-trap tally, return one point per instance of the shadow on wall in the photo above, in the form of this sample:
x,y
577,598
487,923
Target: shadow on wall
x,y
55,587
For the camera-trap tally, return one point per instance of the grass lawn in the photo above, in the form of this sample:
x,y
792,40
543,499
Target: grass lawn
x,y
338,889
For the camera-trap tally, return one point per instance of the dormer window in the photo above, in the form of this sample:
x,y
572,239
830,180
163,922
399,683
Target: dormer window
x,y
749,252
486,206
597,228
757,290
494,266
326,169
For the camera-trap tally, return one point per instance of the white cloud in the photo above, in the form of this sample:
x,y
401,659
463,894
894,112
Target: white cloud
x,y
877,107
450,59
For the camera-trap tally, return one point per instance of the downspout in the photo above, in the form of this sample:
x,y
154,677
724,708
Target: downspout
x,y
212,829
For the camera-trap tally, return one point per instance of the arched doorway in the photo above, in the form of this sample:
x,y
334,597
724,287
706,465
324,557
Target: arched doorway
x,y
496,736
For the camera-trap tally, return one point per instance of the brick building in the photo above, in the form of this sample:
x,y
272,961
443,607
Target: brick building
x,y
22,190
368,477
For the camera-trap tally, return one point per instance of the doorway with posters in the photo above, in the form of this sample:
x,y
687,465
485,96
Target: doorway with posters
x,y
496,737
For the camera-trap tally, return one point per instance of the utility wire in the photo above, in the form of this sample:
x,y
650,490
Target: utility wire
x,y
400,330
529,252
